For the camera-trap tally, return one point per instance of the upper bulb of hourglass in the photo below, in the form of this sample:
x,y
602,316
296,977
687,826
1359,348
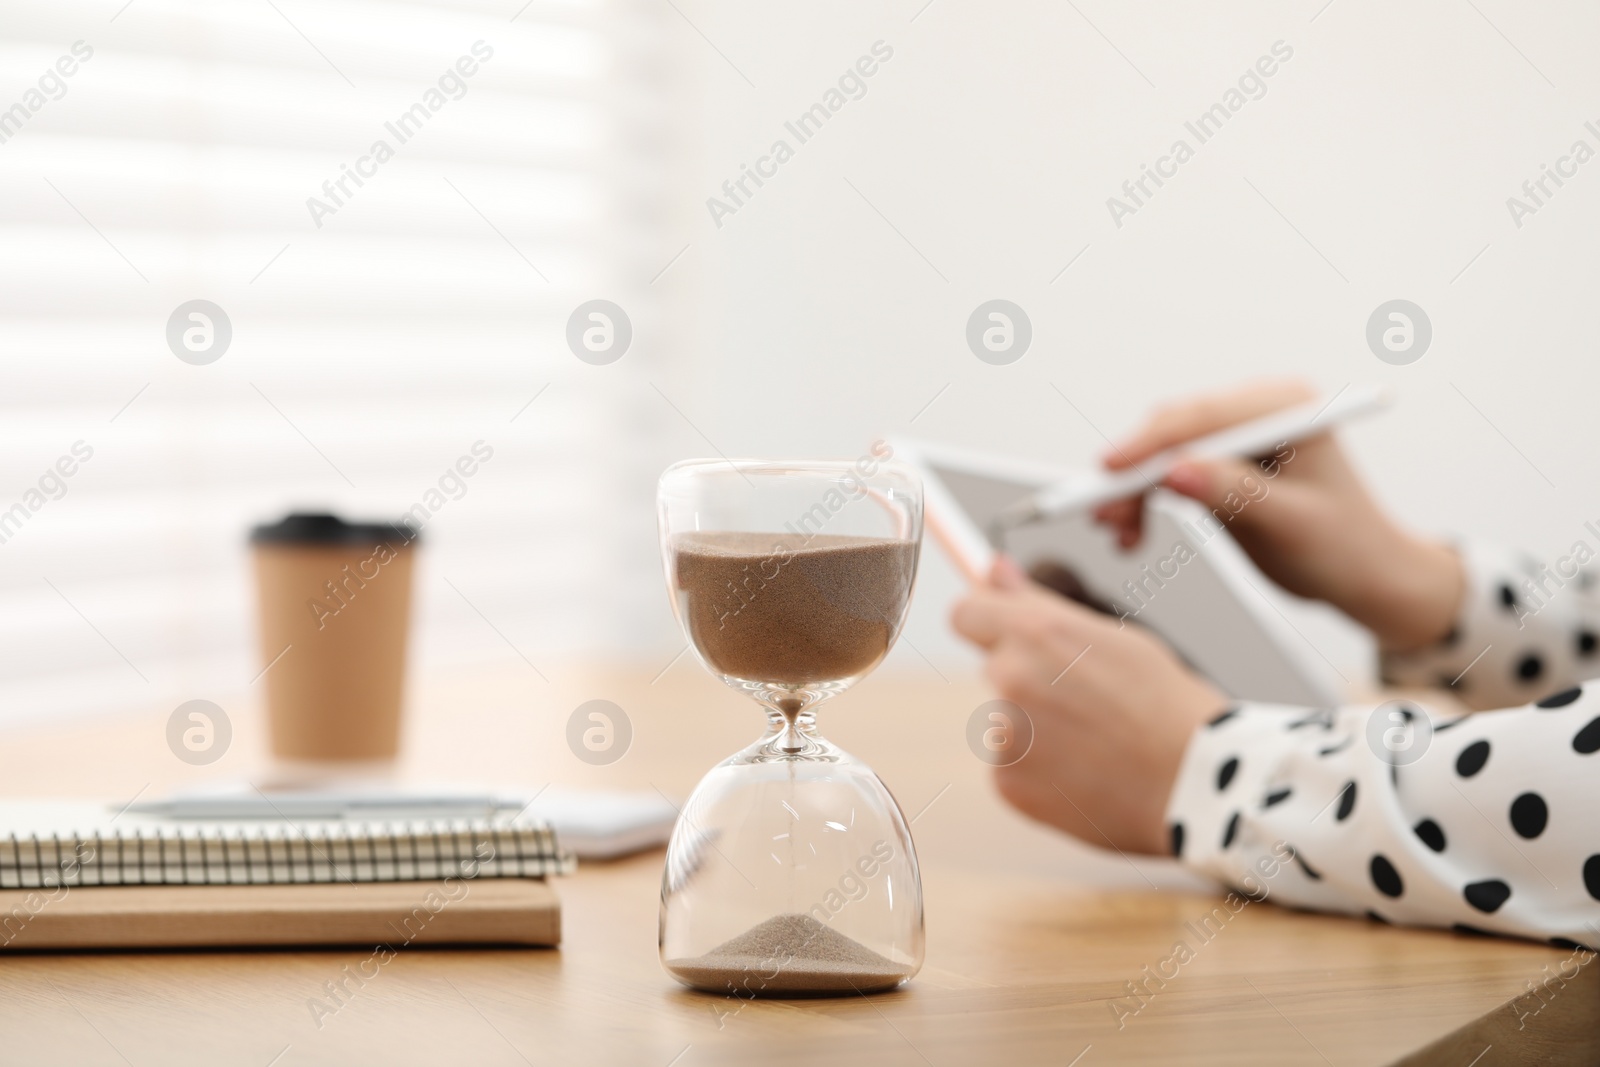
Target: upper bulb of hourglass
x,y
791,619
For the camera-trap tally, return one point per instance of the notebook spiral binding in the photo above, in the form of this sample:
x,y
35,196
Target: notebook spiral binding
x,y
283,854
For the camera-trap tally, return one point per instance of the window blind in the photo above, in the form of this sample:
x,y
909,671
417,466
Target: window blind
x,y
419,313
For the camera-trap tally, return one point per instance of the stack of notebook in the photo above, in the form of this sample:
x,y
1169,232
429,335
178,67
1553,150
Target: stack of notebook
x,y
87,876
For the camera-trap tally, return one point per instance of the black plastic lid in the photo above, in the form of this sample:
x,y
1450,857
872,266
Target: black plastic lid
x,y
319,528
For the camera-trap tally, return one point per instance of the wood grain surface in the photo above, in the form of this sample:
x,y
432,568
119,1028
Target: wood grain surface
x,y
1033,939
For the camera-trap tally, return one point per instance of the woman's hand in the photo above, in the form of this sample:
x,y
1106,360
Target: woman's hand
x,y
1314,529
1112,710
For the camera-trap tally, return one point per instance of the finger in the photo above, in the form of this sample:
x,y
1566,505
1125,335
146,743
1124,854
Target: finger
x,y
1118,513
1031,615
1124,518
1005,574
1132,533
981,616
1219,484
1176,424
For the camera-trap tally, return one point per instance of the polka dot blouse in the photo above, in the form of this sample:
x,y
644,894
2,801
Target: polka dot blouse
x,y
1483,822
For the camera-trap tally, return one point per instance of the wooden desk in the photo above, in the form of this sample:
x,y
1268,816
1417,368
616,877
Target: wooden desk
x,y
1031,937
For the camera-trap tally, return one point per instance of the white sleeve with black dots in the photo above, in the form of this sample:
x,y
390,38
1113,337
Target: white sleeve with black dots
x,y
1489,828
1524,629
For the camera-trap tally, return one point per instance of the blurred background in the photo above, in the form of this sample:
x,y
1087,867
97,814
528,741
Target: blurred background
x,y
378,338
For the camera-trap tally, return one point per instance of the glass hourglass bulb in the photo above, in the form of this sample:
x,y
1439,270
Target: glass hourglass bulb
x,y
791,870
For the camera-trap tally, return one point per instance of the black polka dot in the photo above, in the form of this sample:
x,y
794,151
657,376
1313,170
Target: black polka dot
x,y
1587,642
1587,740
1472,759
1231,831
1487,896
1310,871
1277,796
1322,717
1591,875
1529,814
1222,717
1375,917
1385,877
1430,833
1530,667
1457,681
1451,636
1561,699
1226,772
1347,802
1508,598
1177,839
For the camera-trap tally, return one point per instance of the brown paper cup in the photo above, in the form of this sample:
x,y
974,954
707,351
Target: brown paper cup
x,y
335,606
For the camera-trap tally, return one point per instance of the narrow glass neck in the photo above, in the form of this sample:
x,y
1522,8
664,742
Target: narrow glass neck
x,y
791,733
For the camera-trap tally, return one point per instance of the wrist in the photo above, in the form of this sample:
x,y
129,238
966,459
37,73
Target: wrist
x,y
1418,594
1200,703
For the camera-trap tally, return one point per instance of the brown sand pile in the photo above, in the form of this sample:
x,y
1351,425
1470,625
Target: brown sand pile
x,y
789,954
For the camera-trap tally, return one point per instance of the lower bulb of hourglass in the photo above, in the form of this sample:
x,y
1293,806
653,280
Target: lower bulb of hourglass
x,y
789,876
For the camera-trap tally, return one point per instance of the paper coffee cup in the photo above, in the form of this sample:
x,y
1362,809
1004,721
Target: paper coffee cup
x,y
335,606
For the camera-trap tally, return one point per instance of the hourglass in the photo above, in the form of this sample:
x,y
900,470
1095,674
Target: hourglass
x,y
791,869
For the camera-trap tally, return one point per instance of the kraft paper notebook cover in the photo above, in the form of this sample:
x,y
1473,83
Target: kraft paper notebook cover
x,y
82,876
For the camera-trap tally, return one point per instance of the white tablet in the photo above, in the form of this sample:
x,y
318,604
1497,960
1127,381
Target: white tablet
x,y
1187,580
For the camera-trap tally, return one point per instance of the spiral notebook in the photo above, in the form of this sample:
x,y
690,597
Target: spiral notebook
x,y
44,844
86,876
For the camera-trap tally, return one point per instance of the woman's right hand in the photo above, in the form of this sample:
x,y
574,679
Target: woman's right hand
x,y
1302,514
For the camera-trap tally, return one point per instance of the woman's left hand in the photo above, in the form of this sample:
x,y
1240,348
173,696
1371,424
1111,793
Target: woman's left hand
x,y
1112,710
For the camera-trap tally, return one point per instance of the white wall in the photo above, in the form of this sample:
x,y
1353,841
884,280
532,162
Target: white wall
x,y
991,141
829,309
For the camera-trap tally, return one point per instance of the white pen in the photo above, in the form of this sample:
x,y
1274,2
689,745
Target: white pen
x,y
1247,439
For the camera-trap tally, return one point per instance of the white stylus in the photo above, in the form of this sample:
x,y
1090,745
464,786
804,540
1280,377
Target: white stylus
x,y
1258,437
